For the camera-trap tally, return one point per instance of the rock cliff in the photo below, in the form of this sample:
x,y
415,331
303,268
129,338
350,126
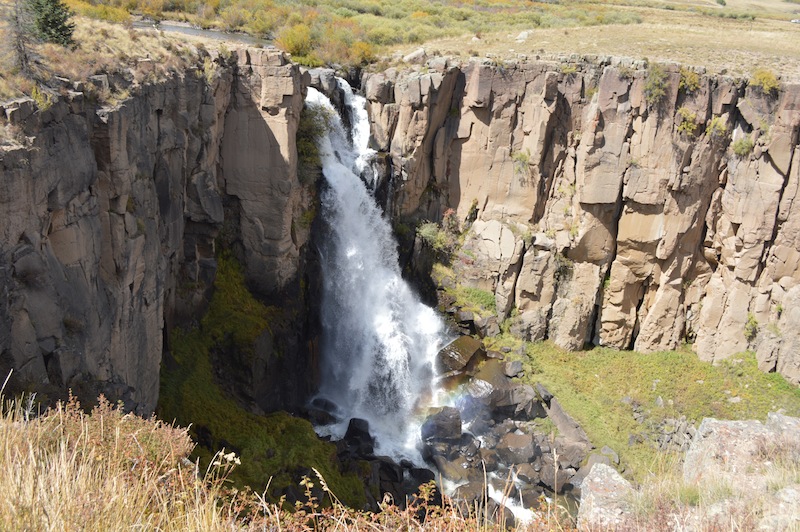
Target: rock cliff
x,y
615,202
111,218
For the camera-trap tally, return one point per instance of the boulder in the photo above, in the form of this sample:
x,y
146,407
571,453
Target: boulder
x,y
443,424
517,449
359,438
459,353
606,500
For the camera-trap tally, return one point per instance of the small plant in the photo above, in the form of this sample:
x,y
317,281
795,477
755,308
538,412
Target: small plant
x,y
687,121
625,72
568,69
717,127
743,146
765,80
43,100
434,236
751,327
690,80
655,87
779,310
522,161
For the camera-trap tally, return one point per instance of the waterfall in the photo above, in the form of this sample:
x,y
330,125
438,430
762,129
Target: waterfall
x,y
379,341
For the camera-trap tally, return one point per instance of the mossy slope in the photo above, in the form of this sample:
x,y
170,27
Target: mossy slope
x,y
591,386
277,446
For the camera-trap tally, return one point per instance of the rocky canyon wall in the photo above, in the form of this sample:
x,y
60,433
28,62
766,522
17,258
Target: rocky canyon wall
x,y
614,202
110,218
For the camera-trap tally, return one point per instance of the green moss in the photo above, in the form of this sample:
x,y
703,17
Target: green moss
x,y
274,449
590,385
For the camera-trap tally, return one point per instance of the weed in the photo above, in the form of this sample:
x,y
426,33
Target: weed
x,y
625,72
687,121
717,128
655,85
43,100
751,327
690,80
522,161
743,146
435,236
765,80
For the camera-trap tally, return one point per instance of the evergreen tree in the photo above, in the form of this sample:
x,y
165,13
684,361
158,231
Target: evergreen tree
x,y
51,21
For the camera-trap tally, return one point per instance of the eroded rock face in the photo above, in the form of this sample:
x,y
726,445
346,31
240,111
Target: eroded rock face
x,y
602,217
110,218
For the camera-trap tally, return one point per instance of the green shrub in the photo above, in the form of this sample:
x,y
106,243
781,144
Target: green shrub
x,y
690,80
717,127
655,85
751,327
296,40
743,146
434,236
687,121
765,80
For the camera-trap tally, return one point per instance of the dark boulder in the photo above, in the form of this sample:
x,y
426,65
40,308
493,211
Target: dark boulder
x,y
444,424
528,473
517,449
459,353
500,514
358,438
457,470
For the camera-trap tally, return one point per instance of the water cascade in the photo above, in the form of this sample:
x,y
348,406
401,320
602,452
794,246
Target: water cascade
x,y
379,341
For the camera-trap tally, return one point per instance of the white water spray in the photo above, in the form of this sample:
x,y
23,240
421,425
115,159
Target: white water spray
x,y
379,341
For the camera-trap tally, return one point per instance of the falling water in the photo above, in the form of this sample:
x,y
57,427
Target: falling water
x,y
379,341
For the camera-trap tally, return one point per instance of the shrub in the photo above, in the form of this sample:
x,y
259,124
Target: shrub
x,y
717,127
434,236
688,121
765,80
690,80
296,40
743,146
655,85
751,327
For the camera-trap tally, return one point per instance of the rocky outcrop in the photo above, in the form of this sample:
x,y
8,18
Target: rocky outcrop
x,y
606,212
112,217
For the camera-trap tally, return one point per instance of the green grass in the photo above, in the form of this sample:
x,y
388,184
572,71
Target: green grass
x,y
591,385
276,448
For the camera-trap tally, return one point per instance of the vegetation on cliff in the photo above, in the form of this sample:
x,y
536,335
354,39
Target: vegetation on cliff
x,y
276,450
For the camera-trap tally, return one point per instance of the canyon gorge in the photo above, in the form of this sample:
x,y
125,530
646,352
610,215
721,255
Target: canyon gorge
x,y
600,201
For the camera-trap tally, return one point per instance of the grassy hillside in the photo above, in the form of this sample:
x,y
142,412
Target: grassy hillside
x,y
598,388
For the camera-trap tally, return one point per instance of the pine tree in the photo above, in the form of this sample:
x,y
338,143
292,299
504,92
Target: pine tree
x,y
51,21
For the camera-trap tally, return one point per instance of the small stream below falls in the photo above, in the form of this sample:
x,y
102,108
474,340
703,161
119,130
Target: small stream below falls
x,y
379,341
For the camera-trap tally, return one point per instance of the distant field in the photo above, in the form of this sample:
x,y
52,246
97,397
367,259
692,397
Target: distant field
x,y
737,46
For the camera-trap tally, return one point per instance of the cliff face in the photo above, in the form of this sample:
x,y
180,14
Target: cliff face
x,y
111,217
601,216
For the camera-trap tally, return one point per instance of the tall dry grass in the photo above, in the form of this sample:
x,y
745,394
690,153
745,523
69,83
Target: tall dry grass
x,y
105,470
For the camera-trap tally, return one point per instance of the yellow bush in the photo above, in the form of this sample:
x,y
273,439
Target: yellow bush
x,y
296,40
765,80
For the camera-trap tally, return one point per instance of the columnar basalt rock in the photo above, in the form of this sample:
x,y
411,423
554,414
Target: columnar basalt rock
x,y
633,221
110,218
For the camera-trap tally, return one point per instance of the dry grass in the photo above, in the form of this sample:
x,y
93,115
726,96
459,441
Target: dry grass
x,y
716,504
106,470
734,46
138,56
